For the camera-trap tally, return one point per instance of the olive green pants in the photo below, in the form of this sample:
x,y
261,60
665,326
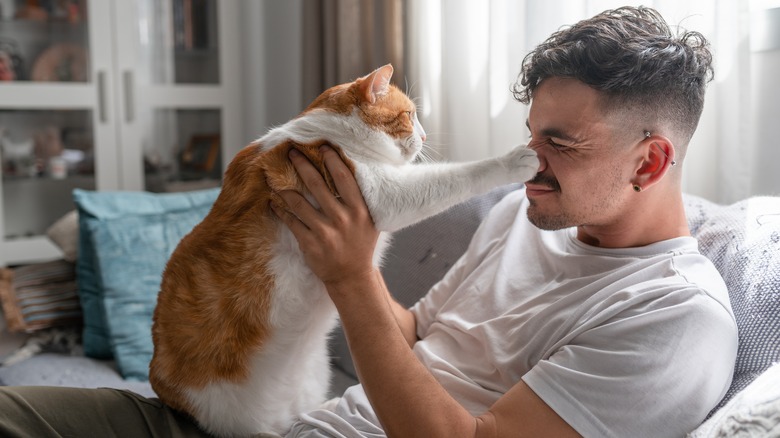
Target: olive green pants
x,y
43,412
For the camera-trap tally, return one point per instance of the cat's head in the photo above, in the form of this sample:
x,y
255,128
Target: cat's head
x,y
382,108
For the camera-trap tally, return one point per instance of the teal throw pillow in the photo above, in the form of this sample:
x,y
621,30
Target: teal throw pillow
x,y
125,239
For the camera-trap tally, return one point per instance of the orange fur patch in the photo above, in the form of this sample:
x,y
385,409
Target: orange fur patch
x,y
391,113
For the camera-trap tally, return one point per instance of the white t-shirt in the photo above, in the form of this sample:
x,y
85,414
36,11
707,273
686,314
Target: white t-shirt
x,y
619,342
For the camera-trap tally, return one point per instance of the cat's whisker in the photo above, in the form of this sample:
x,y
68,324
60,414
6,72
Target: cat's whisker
x,y
409,89
429,154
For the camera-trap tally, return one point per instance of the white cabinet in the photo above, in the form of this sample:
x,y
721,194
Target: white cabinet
x,y
110,95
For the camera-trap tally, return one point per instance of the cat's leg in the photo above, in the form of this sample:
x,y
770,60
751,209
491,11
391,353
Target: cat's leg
x,y
398,196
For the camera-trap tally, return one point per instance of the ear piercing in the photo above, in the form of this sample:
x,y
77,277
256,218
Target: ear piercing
x,y
647,135
636,187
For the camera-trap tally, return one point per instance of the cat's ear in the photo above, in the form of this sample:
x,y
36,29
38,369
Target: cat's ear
x,y
376,84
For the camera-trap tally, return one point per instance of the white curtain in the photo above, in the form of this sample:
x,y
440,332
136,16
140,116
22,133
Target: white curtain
x,y
464,55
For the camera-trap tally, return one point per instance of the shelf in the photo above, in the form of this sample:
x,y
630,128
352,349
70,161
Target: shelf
x,y
16,27
26,95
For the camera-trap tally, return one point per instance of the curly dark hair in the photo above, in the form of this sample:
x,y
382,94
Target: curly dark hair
x,y
632,57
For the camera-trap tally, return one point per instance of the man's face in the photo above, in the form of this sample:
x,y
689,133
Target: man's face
x,y
585,166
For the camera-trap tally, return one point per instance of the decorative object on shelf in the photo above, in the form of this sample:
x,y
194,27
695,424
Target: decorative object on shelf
x,y
63,62
57,168
31,10
7,73
17,155
66,10
201,153
10,60
71,11
48,144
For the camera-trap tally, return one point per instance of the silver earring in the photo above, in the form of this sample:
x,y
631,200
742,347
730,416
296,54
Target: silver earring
x,y
647,135
637,188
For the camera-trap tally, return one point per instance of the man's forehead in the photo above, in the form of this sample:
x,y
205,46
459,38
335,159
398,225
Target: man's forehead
x,y
555,132
568,108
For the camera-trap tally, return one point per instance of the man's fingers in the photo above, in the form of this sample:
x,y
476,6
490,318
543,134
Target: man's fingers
x,y
304,212
313,181
346,185
293,223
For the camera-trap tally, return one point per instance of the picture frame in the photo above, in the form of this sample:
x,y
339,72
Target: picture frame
x,y
201,153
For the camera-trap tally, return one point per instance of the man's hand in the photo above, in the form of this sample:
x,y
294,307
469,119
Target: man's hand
x,y
338,238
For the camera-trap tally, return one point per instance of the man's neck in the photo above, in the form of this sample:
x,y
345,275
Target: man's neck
x,y
658,217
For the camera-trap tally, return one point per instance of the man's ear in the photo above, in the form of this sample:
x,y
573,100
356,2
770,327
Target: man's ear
x,y
657,159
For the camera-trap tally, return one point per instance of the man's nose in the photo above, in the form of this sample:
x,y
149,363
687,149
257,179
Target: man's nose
x,y
542,159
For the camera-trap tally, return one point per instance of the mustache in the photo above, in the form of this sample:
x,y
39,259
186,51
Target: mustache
x,y
544,180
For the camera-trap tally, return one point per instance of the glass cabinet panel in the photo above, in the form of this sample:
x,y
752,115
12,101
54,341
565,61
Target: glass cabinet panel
x,y
110,95
184,151
45,154
179,41
44,41
172,97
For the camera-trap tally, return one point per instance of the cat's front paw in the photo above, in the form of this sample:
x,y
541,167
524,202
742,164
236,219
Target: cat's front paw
x,y
522,162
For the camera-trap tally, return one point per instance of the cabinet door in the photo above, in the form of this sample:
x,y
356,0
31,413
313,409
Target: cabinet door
x,y
177,92
56,128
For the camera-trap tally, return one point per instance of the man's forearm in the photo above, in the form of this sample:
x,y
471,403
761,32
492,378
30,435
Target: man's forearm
x,y
405,319
407,399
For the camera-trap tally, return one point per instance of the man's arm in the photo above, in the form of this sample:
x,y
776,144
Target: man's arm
x,y
338,243
405,319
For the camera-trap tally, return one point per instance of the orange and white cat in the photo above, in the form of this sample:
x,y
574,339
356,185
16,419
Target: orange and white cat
x,y
241,325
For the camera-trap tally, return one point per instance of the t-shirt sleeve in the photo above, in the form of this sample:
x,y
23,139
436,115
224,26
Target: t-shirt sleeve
x,y
641,373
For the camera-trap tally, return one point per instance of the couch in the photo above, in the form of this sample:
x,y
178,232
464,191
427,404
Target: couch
x,y
742,240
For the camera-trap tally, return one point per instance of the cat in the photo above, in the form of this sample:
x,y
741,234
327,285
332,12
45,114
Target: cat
x,y
241,326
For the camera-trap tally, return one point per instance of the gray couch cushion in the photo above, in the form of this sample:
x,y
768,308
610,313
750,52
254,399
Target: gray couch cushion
x,y
743,241
53,369
753,412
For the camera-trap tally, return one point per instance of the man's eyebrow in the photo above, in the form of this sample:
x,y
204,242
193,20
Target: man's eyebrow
x,y
554,132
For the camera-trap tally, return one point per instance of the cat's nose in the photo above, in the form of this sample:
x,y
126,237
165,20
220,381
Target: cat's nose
x,y
418,127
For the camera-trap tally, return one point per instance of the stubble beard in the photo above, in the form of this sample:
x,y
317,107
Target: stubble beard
x,y
591,213
549,222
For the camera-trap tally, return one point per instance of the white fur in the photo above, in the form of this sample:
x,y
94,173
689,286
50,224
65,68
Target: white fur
x,y
398,193
291,373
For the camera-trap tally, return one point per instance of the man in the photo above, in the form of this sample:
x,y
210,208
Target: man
x,y
582,306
